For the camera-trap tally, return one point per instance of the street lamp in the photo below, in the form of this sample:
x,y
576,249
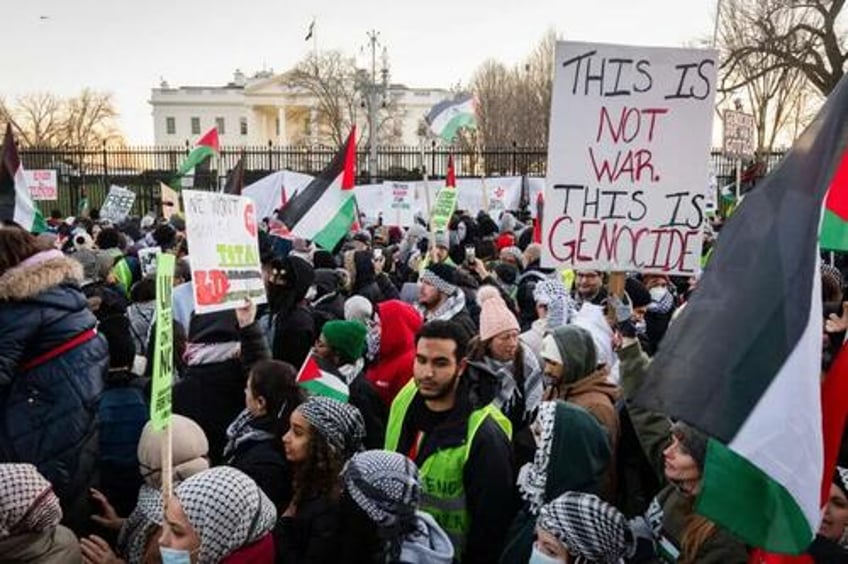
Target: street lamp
x,y
374,90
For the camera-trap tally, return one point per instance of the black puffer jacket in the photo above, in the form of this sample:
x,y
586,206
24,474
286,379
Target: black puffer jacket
x,y
48,413
366,282
292,326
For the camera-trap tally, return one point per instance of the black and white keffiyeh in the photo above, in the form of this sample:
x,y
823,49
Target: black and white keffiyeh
x,y
133,537
533,476
445,312
441,284
27,501
340,424
591,529
385,486
226,509
553,294
509,394
241,430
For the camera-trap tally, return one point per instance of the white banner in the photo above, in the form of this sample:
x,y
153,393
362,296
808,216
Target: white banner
x,y
42,184
222,236
628,157
267,193
118,204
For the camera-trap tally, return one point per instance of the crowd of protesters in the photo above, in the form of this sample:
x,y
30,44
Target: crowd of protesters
x,y
473,406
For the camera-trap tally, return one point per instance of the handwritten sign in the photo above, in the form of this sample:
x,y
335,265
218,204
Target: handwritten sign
x,y
628,157
402,198
147,258
739,137
163,355
118,204
222,236
444,208
42,184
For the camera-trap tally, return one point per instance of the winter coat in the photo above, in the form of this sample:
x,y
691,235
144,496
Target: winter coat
x,y
488,474
670,510
309,536
393,368
291,329
49,410
375,413
364,279
212,394
259,552
141,316
54,546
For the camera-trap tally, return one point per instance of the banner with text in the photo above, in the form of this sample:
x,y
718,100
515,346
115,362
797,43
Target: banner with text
x,y
222,236
42,184
118,204
628,157
163,346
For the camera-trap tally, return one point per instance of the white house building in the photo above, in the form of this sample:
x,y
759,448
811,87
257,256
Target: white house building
x,y
261,109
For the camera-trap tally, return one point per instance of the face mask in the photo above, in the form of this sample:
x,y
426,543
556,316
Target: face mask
x,y
174,556
658,293
537,557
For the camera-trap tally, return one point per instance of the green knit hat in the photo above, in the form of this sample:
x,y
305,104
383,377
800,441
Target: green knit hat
x,y
346,338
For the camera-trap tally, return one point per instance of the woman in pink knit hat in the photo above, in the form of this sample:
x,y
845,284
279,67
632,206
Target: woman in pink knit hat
x,y
516,373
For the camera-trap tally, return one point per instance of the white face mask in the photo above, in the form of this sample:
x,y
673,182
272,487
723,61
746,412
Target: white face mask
x,y
658,293
174,556
537,557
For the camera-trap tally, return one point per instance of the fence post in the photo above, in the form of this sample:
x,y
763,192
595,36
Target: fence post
x,y
433,158
105,166
514,157
270,167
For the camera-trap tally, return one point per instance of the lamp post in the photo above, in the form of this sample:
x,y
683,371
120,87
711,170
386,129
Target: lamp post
x,y
374,91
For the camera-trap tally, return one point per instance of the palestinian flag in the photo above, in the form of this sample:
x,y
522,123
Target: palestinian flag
x,y
742,362
325,209
834,230
449,116
319,380
15,200
196,164
235,179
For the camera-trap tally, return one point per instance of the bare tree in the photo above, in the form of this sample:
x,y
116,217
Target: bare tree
x,y
90,120
784,34
777,94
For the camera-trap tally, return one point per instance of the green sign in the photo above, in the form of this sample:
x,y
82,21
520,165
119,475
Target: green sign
x,y
163,355
443,208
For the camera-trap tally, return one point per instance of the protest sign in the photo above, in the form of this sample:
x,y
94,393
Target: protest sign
x,y
163,356
42,184
170,200
628,157
443,209
739,135
147,259
402,197
222,236
118,204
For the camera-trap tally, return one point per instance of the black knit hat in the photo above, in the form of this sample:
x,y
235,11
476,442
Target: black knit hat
x,y
636,291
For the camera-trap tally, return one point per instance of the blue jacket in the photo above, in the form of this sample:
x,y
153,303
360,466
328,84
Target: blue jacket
x,y
48,413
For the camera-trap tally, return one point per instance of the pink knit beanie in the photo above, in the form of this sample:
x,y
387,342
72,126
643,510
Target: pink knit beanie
x,y
495,317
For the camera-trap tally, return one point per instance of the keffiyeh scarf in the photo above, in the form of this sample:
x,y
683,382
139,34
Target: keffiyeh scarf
x,y
509,393
340,424
241,430
27,501
385,486
533,476
447,311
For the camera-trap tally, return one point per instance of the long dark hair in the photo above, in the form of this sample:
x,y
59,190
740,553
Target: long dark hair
x,y
318,475
274,381
16,245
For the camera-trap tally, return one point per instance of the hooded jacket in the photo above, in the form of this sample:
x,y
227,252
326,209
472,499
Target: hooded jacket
x,y
399,322
429,544
328,304
488,473
48,413
292,325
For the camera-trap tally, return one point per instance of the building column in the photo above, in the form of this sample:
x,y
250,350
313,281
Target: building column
x,y
282,138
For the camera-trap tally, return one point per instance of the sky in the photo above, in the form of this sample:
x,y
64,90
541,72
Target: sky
x,y
126,47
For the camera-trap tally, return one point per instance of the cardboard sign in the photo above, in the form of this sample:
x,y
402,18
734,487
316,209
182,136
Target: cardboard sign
x,y
222,236
118,204
444,208
739,135
163,356
42,184
403,205
628,157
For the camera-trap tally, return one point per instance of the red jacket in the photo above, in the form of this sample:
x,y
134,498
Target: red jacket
x,y
393,369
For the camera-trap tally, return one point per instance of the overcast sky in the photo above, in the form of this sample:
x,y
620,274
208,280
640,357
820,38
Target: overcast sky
x,y
125,46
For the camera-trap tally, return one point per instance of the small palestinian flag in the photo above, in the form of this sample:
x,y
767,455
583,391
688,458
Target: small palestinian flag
x,y
197,161
834,230
15,200
319,380
325,209
742,362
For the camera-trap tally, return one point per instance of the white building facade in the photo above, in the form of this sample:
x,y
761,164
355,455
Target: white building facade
x,y
263,109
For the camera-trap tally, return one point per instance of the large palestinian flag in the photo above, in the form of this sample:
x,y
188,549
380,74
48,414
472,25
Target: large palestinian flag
x,y
325,209
15,200
742,362
196,164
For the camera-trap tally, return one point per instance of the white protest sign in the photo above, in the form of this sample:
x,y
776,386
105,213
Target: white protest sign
x,y
403,205
42,184
222,236
147,260
739,134
628,157
118,204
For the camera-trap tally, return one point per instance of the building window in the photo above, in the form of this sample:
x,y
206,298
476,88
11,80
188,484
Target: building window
x,y
243,125
219,123
170,126
195,126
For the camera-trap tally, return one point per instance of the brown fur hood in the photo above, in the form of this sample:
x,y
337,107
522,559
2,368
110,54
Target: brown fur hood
x,y
38,274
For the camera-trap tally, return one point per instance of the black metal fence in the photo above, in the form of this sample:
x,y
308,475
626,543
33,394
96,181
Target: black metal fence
x,y
89,172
